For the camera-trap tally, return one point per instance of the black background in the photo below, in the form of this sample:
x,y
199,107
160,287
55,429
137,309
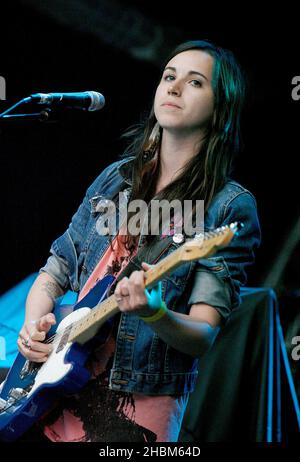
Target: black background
x,y
46,168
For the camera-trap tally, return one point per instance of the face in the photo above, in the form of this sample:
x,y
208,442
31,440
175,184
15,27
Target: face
x,y
184,99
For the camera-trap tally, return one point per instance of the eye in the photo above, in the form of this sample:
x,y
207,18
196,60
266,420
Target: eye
x,y
169,77
196,83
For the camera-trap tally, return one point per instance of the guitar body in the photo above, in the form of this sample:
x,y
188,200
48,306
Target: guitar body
x,y
31,389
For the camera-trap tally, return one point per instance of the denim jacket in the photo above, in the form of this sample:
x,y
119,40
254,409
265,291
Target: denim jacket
x,y
143,363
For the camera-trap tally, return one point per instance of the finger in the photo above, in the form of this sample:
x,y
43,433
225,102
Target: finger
x,y
137,277
124,290
138,297
45,323
31,355
27,347
21,347
119,286
123,299
35,346
25,334
123,302
136,285
38,335
147,266
40,347
48,319
124,280
35,357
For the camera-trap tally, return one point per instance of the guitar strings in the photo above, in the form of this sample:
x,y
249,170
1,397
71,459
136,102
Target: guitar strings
x,y
59,335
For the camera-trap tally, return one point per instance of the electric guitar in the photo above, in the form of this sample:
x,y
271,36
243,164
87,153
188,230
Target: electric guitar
x,y
31,389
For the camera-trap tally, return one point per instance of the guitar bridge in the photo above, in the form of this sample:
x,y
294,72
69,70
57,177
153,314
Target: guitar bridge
x,y
3,404
15,395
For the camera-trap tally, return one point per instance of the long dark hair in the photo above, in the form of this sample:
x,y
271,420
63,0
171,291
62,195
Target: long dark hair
x,y
207,172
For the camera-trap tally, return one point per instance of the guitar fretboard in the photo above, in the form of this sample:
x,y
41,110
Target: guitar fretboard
x,y
86,328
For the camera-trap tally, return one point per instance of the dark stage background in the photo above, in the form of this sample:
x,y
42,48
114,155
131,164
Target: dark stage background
x,y
115,48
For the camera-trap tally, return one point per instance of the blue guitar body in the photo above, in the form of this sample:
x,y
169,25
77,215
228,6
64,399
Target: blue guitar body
x,y
23,399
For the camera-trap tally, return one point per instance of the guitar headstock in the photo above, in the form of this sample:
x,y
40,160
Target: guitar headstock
x,y
206,244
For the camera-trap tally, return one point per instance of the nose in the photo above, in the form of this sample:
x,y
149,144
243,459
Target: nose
x,y
172,90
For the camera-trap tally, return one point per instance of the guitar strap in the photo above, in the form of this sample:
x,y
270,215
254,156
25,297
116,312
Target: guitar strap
x,y
148,253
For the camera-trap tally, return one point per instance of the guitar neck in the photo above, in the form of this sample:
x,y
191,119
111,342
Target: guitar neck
x,y
86,328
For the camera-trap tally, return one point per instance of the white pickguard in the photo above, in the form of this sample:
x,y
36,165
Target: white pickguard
x,y
55,368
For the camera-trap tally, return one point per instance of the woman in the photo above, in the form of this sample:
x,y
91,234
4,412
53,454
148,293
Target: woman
x,y
144,373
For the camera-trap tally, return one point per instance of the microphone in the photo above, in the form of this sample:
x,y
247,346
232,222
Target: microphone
x,y
87,100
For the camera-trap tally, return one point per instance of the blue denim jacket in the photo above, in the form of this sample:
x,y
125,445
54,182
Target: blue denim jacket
x,y
143,363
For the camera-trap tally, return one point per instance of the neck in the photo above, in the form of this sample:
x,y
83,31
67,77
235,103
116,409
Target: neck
x,y
175,151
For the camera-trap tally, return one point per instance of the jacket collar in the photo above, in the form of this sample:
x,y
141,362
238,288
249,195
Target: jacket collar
x,y
125,169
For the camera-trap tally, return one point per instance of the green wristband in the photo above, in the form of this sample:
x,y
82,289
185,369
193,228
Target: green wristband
x,y
159,314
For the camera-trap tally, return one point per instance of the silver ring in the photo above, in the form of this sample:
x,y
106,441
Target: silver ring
x,y
26,342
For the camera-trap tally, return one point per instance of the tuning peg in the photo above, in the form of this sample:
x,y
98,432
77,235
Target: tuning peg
x,y
236,227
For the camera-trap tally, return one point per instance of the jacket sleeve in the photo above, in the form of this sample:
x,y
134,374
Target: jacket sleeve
x,y
217,279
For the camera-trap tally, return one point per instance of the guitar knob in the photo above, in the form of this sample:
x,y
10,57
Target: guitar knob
x,y
178,238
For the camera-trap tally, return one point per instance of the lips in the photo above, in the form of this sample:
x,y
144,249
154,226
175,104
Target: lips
x,y
170,104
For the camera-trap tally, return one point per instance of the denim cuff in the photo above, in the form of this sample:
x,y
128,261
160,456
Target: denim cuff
x,y
57,267
212,290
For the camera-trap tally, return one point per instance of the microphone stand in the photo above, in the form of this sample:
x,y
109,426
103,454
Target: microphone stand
x,y
41,116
